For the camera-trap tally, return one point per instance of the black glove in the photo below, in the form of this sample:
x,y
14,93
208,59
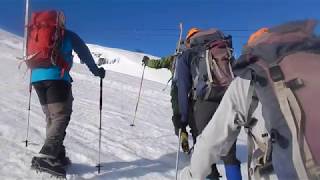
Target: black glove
x,y
101,72
145,60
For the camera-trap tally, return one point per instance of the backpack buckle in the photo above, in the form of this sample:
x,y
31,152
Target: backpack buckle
x,y
294,84
276,137
276,73
267,168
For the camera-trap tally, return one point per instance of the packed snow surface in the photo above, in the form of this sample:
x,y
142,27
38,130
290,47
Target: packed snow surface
x,y
145,151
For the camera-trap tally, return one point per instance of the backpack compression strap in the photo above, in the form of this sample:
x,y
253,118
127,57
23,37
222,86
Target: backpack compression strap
x,y
263,162
290,108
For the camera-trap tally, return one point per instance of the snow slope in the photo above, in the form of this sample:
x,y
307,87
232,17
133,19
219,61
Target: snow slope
x,y
127,62
146,151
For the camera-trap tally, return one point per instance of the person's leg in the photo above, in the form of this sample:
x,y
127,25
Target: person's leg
x,y
59,108
214,175
191,122
41,90
232,164
203,112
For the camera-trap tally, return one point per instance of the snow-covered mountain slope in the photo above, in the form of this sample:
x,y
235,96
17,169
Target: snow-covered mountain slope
x,y
146,151
10,45
128,62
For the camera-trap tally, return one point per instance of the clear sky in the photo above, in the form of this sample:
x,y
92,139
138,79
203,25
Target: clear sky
x,y
151,26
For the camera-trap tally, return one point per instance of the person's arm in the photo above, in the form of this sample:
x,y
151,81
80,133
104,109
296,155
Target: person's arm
x,y
184,84
164,62
220,133
83,53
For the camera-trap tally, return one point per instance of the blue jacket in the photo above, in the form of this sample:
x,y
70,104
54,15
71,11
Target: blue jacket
x,y
70,42
184,83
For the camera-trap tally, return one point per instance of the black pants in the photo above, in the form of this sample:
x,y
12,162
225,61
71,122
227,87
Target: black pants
x,y
203,112
55,97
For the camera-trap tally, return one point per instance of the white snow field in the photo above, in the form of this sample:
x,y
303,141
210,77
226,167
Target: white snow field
x,y
146,151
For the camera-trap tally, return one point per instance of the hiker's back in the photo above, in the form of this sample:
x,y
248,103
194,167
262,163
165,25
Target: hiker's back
x,y
54,72
49,47
211,56
285,68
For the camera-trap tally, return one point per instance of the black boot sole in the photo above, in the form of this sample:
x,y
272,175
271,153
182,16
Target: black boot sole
x,y
44,167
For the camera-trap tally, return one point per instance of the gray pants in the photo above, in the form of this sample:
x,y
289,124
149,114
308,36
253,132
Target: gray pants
x,y
56,101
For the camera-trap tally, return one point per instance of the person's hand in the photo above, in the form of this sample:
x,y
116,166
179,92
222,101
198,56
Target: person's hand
x,y
145,60
185,174
101,72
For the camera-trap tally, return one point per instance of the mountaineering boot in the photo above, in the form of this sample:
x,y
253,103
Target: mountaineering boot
x,y
210,177
233,172
64,160
48,165
184,142
214,175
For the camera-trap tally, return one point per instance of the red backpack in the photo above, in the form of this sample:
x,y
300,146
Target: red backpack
x,y
45,35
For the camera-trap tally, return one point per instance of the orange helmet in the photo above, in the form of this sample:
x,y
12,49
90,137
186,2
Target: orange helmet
x,y
192,32
257,34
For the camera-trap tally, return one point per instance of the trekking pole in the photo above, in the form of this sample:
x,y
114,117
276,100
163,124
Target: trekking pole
x,y
135,112
179,139
26,21
178,152
26,18
178,48
100,108
28,119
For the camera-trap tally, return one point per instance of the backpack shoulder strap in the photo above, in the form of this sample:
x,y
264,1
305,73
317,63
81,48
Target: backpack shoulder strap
x,y
263,161
291,110
251,104
252,99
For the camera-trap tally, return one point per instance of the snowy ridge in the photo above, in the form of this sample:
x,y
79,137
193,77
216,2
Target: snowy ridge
x,y
11,43
146,151
127,62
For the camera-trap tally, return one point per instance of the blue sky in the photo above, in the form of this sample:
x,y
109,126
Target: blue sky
x,y
152,25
